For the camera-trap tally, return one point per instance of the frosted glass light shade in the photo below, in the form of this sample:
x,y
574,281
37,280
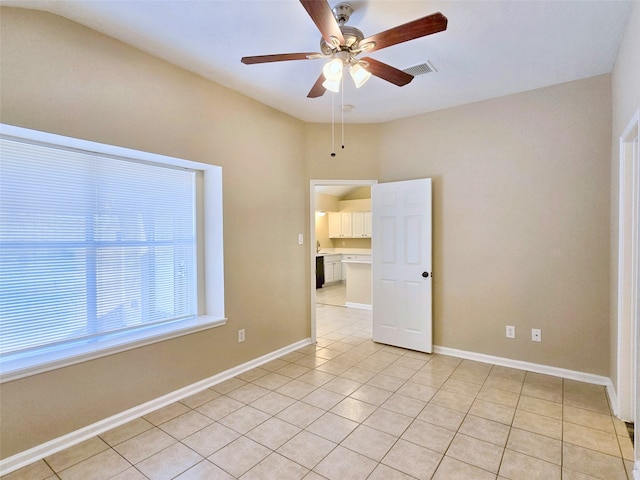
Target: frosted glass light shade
x,y
359,75
332,72
332,85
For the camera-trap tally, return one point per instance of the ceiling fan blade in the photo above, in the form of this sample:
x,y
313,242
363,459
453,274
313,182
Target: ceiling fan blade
x,y
317,90
386,72
409,31
280,57
321,14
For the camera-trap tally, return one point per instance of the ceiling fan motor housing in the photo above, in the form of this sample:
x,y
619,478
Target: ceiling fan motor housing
x,y
352,37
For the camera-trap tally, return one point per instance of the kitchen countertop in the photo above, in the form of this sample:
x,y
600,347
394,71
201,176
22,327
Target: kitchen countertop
x,y
343,251
351,260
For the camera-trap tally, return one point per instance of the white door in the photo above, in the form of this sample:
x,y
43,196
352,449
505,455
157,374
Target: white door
x,y
629,270
401,264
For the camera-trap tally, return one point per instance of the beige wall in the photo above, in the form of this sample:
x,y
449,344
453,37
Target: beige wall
x,y
357,205
351,243
625,82
358,161
322,231
358,194
62,78
521,210
324,203
521,220
521,216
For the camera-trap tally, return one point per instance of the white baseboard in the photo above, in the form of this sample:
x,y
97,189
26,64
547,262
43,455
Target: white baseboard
x,y
613,399
39,452
362,306
534,367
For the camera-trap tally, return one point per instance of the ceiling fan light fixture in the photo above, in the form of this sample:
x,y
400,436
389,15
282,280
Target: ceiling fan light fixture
x,y
359,75
332,85
332,70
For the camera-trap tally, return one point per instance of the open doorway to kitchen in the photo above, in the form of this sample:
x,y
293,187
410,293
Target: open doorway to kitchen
x,y
340,234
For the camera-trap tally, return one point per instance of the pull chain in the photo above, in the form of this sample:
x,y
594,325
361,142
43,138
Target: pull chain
x,y
333,114
342,109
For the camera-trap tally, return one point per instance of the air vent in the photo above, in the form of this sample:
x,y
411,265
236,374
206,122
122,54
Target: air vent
x,y
421,69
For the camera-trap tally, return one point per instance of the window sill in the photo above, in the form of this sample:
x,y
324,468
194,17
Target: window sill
x,y
15,367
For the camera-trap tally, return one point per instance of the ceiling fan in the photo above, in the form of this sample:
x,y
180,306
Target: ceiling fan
x,y
344,43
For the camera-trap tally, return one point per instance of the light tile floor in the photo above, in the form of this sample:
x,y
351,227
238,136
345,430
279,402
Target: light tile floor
x,y
348,408
335,294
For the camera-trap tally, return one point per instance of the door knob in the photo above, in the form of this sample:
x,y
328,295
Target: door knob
x,y
425,274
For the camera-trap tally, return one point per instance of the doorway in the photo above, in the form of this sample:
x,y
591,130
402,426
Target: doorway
x,y
315,187
628,373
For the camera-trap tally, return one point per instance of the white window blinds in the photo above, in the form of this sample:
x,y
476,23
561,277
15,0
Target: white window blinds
x,y
91,246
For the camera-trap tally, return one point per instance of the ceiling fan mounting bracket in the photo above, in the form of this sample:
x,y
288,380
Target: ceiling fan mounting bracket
x,y
342,12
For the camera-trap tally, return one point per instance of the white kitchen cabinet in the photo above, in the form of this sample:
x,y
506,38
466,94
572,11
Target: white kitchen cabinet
x,y
367,224
361,223
347,224
340,225
335,225
332,269
357,222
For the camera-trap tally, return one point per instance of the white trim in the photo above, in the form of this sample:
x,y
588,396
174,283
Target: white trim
x,y
532,367
628,251
636,471
361,306
613,397
39,452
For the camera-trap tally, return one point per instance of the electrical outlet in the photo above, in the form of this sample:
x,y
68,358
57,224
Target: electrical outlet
x,y
536,335
241,335
511,331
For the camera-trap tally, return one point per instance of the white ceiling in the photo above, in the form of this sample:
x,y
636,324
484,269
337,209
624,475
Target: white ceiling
x,y
490,48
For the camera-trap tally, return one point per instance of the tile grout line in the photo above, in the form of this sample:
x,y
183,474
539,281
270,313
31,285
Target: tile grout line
x,y
353,362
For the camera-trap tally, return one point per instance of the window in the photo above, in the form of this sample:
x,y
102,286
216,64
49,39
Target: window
x,y
99,249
